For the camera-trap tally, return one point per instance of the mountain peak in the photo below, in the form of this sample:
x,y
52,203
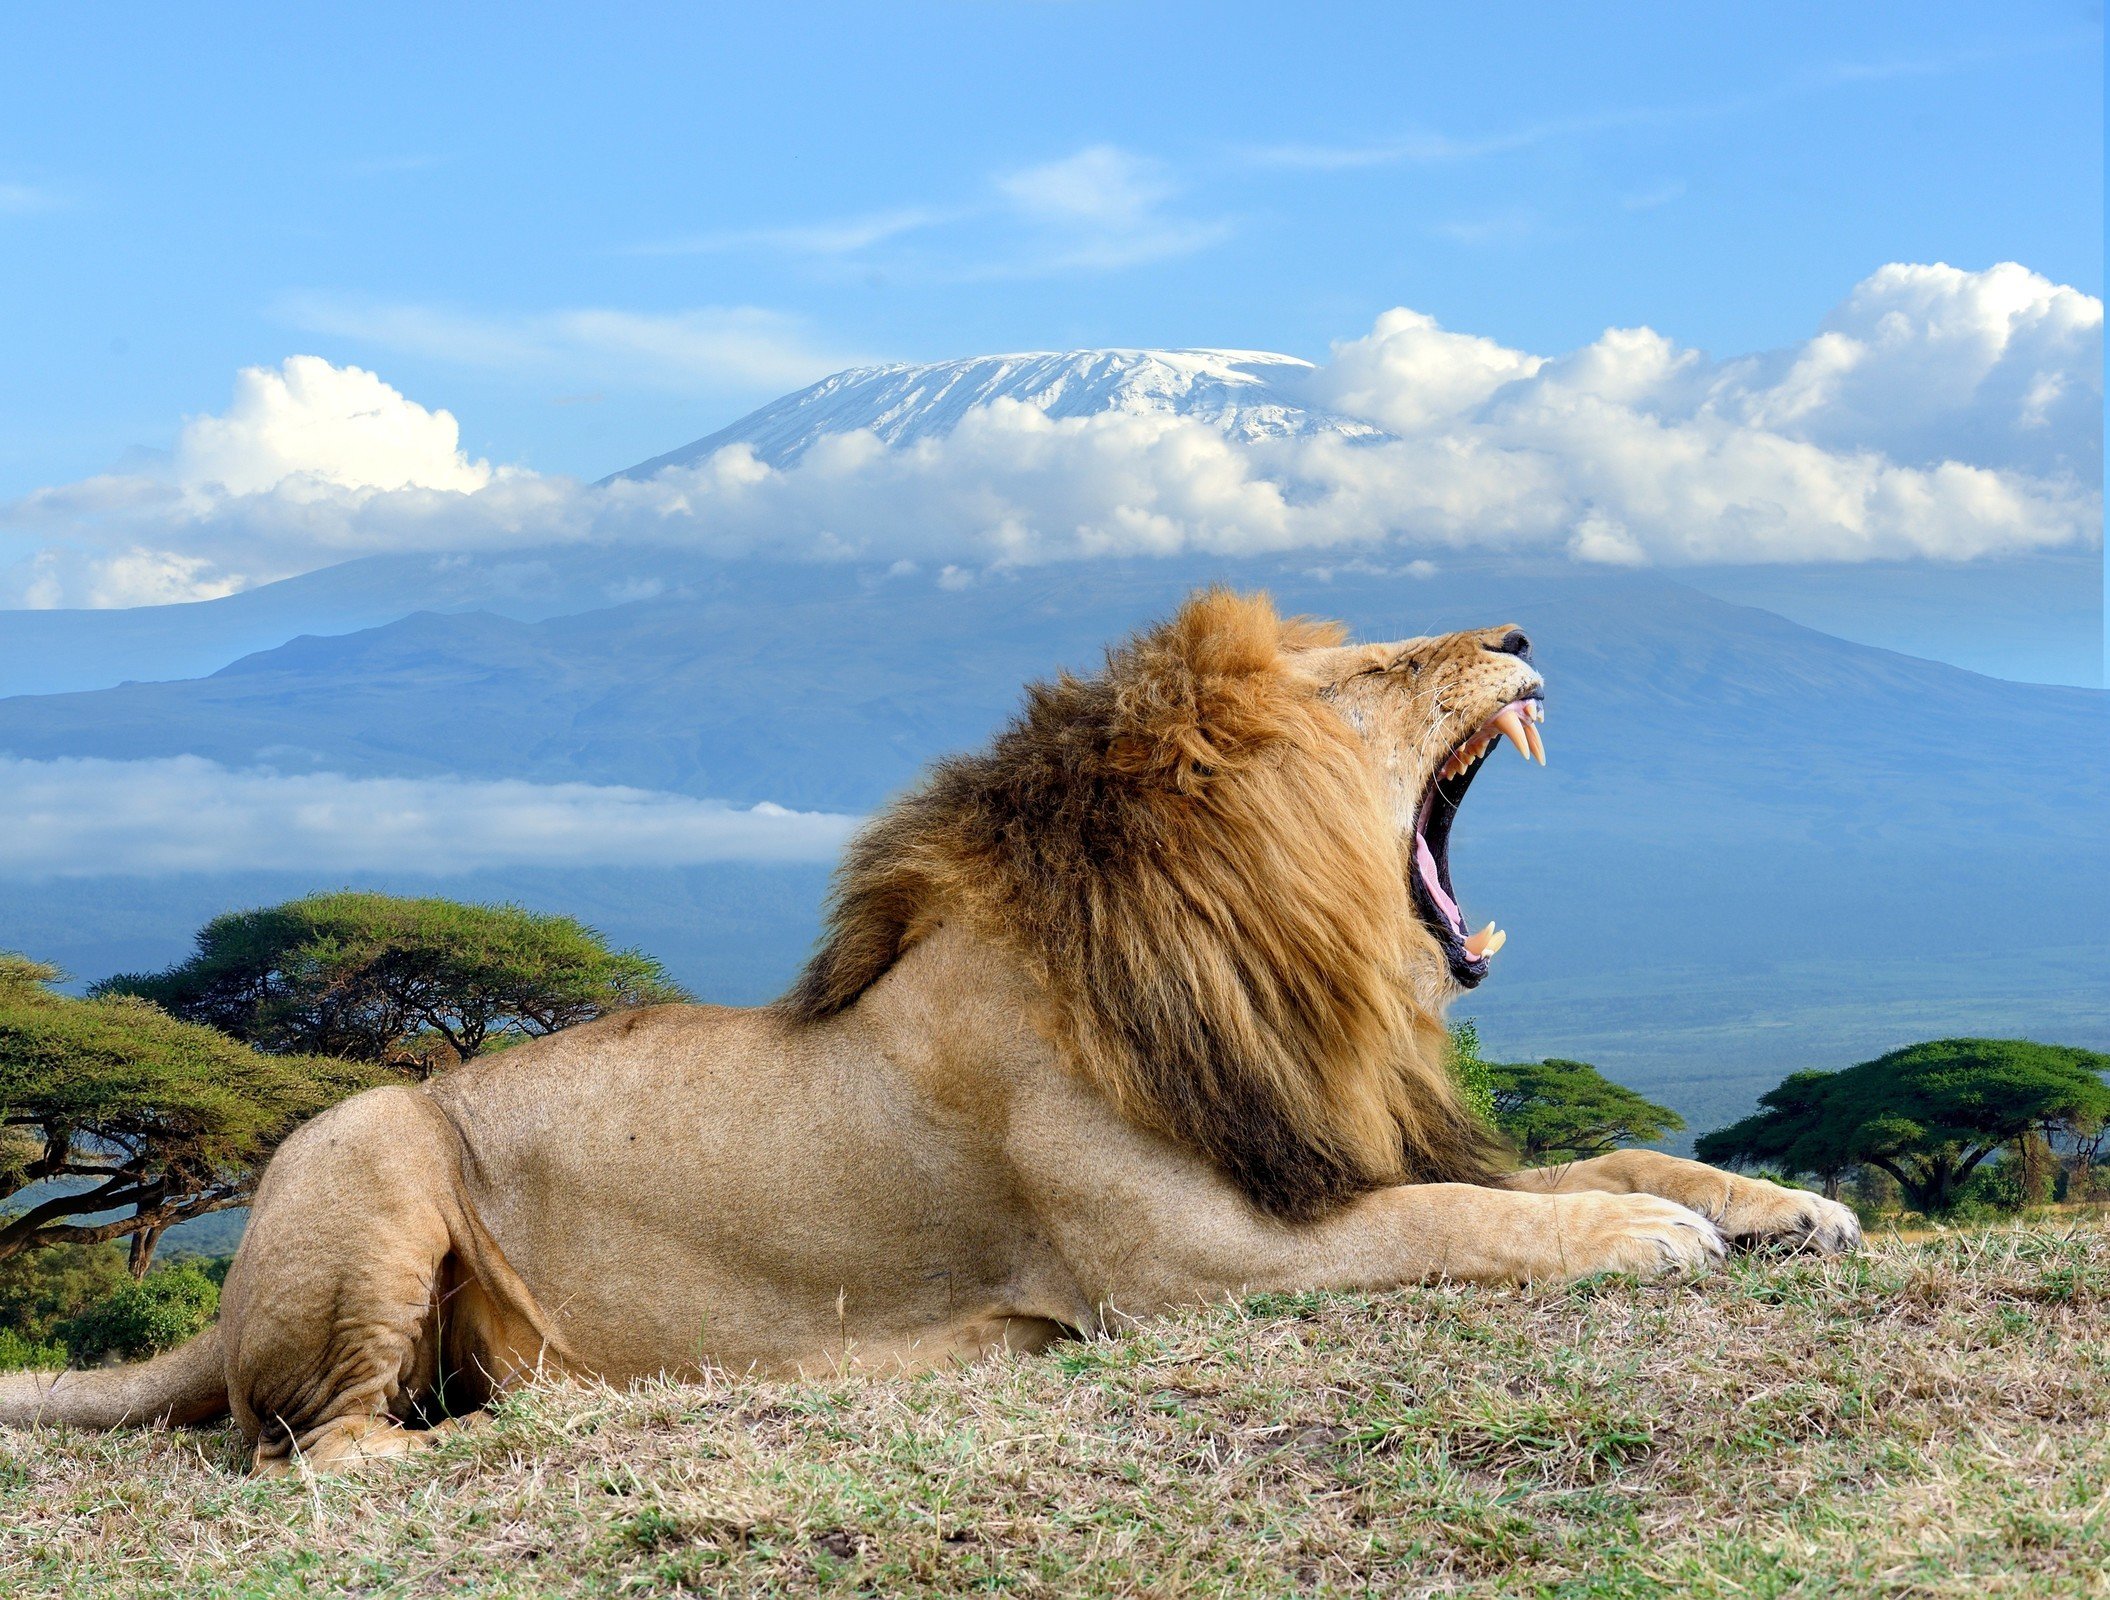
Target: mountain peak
x,y
1249,394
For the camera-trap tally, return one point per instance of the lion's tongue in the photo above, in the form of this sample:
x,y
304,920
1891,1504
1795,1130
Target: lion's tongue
x,y
1425,864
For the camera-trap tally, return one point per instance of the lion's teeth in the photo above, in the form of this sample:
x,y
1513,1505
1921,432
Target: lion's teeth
x,y
1512,727
1538,744
1486,942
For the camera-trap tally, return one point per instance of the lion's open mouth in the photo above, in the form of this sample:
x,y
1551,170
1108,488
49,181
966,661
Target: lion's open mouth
x,y
1434,898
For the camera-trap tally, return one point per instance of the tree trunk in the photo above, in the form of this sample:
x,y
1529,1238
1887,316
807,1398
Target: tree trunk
x,y
2082,1185
143,1242
1926,1194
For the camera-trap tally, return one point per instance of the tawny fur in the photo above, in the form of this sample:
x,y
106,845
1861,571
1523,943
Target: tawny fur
x,y
1196,857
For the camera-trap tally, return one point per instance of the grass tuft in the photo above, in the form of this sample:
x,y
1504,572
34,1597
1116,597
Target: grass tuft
x,y
1931,1418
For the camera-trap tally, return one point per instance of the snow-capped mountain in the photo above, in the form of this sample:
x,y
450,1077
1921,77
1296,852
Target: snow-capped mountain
x,y
1249,394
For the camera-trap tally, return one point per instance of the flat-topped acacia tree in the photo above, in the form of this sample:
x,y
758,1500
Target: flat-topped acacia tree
x,y
1928,1114
1558,1110
412,983
112,1106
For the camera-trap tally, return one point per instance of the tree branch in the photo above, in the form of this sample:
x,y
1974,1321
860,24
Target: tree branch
x,y
163,1216
64,1205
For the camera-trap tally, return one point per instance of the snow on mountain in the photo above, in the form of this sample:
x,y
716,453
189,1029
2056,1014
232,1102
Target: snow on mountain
x,y
1249,394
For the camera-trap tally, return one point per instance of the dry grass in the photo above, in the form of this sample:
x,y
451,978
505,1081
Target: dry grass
x,y
1930,1418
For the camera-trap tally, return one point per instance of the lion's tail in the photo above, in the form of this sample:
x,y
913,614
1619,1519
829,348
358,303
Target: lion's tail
x,y
187,1384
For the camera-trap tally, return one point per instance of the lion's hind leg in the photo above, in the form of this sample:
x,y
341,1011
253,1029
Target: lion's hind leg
x,y
334,1310
1749,1211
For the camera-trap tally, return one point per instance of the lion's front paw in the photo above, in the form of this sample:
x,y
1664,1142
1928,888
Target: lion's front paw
x,y
1635,1233
1769,1215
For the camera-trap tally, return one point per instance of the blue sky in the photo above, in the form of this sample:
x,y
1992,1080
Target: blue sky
x,y
594,234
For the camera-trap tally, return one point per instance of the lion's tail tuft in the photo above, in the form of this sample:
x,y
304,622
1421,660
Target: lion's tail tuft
x,y
187,1384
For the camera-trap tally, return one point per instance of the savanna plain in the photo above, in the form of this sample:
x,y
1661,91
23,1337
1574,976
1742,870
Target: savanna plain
x,y
1930,1417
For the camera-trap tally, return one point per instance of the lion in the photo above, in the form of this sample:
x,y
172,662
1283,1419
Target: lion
x,y
1137,1009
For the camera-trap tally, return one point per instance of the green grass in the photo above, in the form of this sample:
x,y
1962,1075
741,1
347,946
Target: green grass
x,y
1930,1418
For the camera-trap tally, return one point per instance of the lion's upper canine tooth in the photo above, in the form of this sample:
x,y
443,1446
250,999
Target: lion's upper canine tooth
x,y
1486,942
1512,726
1538,744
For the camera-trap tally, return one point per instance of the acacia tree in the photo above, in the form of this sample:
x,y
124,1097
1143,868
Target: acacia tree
x,y
1928,1114
111,1106
410,983
1559,1110
1794,1131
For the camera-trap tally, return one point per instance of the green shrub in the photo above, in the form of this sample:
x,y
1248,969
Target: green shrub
x,y
18,1354
1994,1190
40,1289
1470,1072
142,1319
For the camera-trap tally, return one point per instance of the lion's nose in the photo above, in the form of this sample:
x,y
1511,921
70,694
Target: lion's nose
x,y
1513,643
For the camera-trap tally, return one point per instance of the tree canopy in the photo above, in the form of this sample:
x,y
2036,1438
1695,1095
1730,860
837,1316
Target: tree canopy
x,y
114,1106
1927,1114
1560,1110
407,982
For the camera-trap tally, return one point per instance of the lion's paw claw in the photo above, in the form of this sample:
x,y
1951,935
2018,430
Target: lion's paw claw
x,y
1793,1219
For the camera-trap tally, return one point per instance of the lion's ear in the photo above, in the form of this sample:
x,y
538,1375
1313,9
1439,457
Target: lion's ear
x,y
1311,633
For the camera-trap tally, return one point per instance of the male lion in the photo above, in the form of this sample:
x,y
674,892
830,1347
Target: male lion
x,y
1138,1009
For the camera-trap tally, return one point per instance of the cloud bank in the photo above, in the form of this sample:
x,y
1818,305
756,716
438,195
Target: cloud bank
x,y
1937,413
92,818
320,428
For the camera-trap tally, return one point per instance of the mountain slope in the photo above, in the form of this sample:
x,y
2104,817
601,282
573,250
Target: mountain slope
x,y
1249,394
831,686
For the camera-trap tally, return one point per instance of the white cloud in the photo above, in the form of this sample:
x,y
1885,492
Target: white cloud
x,y
1932,363
1098,187
1938,413
1100,209
1512,225
338,426
1547,464
844,236
143,577
20,199
1408,374
720,347
1660,194
1426,148
89,818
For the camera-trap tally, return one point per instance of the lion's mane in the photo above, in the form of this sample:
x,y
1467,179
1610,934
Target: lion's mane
x,y
1192,854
